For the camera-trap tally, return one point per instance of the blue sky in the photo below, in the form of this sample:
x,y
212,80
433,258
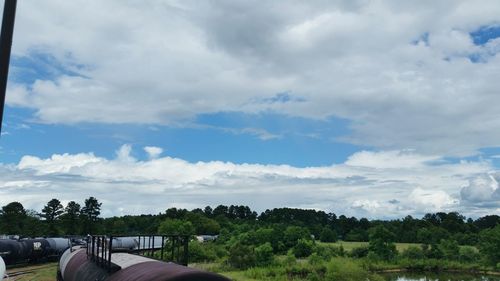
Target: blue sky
x,y
346,107
222,136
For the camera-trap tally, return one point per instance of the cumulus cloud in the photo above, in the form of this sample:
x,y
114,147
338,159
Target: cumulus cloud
x,y
124,184
401,73
123,154
483,188
432,200
153,151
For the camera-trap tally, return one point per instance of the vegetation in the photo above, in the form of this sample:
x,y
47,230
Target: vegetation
x,y
284,243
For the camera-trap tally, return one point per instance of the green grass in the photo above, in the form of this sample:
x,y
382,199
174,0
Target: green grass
x,y
42,272
348,246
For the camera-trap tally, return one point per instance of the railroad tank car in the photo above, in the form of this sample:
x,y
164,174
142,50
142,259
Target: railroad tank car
x,y
75,265
2,268
130,243
32,250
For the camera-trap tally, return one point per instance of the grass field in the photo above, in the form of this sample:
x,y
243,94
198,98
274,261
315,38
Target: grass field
x,y
42,272
348,246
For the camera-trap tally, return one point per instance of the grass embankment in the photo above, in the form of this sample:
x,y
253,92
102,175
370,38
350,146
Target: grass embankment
x,y
311,269
331,264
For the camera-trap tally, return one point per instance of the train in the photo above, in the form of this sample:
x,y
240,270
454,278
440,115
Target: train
x,y
2,269
75,265
32,250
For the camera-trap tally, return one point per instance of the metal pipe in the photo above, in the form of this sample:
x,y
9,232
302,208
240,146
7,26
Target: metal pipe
x,y
9,15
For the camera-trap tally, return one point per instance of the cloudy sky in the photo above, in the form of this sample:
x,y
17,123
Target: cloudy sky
x,y
370,108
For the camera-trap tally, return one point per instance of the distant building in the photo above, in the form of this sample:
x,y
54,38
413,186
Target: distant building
x,y
206,238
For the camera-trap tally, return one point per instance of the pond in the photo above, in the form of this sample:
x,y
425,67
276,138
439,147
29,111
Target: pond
x,y
438,277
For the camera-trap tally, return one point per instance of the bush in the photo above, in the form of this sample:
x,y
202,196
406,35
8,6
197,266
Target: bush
x,y
345,270
303,248
176,227
314,259
313,276
359,252
489,245
326,252
290,260
293,234
241,256
264,254
469,254
449,248
413,252
328,235
202,252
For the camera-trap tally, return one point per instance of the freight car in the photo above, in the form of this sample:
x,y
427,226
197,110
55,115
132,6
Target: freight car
x,y
75,265
2,269
32,250
107,258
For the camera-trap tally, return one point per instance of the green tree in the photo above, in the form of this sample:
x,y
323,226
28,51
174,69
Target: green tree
x,y
381,242
51,213
264,254
304,248
70,218
293,234
328,235
13,218
449,248
489,245
90,214
241,256
202,224
469,254
33,226
176,227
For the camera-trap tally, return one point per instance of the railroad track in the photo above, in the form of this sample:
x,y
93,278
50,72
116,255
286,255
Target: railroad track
x,y
17,272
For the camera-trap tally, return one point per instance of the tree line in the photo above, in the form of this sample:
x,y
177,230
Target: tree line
x,y
75,219
53,220
247,238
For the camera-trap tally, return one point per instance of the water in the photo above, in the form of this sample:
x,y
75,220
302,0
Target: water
x,y
438,277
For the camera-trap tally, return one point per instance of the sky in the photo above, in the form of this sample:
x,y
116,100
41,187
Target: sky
x,y
377,109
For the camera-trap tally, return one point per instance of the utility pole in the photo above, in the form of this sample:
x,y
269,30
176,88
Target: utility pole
x,y
9,15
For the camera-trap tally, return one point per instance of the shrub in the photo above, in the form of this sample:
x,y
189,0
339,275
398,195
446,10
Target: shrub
x,y
303,248
328,235
489,245
313,276
469,254
339,269
293,234
449,248
326,252
264,254
241,256
413,252
201,252
314,259
359,252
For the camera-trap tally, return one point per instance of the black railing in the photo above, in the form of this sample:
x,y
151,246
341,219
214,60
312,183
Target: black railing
x,y
173,248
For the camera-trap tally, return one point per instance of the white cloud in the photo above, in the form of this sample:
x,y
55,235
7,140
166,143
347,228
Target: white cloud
x,y
390,159
123,154
353,188
484,188
57,163
153,151
432,200
348,59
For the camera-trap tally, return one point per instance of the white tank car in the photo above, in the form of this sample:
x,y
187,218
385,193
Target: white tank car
x,y
2,269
